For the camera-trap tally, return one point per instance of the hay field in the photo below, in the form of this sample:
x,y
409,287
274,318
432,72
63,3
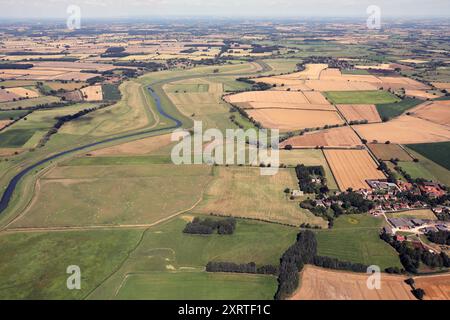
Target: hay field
x,y
244,192
352,168
92,93
323,284
291,120
138,147
404,130
421,94
335,137
359,112
124,194
436,111
387,152
435,287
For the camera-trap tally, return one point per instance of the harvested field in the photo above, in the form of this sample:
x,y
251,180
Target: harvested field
x,y
70,86
330,73
291,120
244,192
396,83
312,71
4,123
24,93
274,105
351,168
92,93
335,137
421,94
436,111
387,152
315,97
435,287
322,284
268,96
7,95
404,130
340,85
359,112
138,147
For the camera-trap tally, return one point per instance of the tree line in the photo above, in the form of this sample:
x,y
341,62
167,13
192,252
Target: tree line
x,y
209,226
250,268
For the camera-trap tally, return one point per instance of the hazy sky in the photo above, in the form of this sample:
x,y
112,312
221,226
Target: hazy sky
x,y
227,8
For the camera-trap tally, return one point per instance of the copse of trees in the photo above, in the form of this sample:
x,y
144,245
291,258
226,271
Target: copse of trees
x,y
306,175
241,268
210,226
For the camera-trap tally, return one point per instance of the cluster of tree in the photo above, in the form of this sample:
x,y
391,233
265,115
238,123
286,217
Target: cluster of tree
x,y
263,49
411,257
16,66
332,62
241,268
237,123
306,175
210,226
256,86
440,237
356,122
243,113
292,262
391,176
354,202
115,52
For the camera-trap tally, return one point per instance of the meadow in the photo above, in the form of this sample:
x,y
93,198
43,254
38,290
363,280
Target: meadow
x,y
174,255
391,110
39,271
437,152
355,238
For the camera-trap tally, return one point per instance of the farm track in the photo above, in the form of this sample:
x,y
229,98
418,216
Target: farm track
x,y
11,187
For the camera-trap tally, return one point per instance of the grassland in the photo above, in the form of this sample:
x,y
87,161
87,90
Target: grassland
x,y
361,97
15,138
12,115
309,158
356,238
413,214
388,110
110,92
113,195
197,286
167,250
244,192
39,271
440,173
417,170
437,152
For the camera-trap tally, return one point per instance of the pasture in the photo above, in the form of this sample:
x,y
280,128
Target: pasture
x,y
361,97
47,256
166,251
244,192
351,168
441,173
125,194
355,238
391,110
387,152
197,286
437,152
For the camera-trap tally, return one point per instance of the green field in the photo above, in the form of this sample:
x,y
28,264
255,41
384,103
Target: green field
x,y
439,173
117,161
39,271
417,170
437,152
361,97
244,192
188,87
114,195
165,249
197,286
15,138
356,238
392,110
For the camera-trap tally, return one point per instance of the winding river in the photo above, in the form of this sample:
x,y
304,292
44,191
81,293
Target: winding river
x,y
7,195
